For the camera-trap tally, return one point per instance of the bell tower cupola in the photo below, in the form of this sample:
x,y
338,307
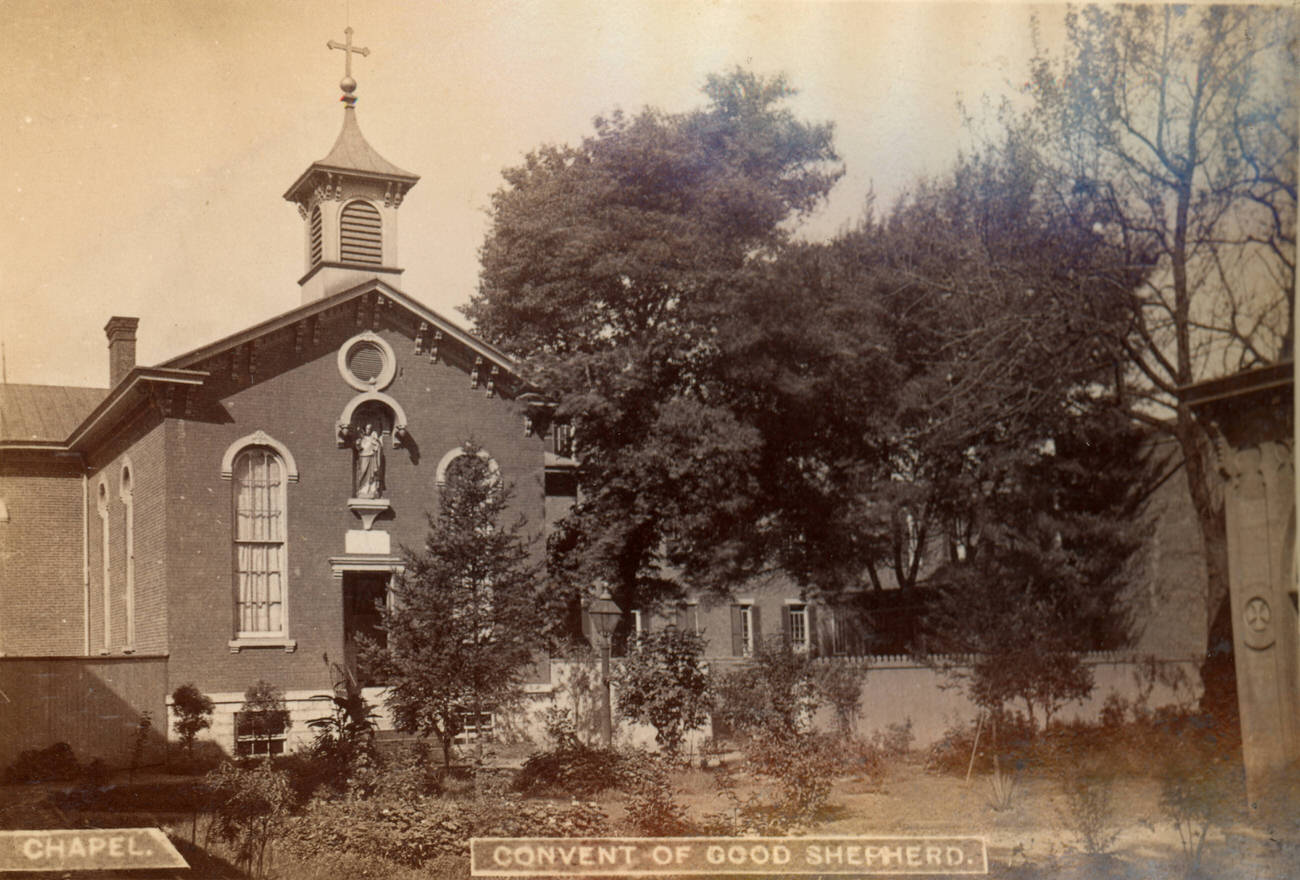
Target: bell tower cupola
x,y
348,202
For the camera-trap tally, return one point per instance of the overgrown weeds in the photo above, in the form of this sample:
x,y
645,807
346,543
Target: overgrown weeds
x,y
1090,809
1197,787
250,807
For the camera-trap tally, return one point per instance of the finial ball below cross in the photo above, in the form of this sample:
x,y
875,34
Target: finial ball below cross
x,y
348,84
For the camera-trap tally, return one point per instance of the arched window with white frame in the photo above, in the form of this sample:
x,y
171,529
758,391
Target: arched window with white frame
x,y
126,491
259,477
101,504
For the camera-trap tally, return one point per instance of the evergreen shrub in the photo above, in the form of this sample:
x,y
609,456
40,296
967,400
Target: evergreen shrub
x,y
572,770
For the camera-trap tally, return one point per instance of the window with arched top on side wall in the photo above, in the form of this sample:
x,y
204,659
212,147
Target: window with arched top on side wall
x,y
126,491
101,504
453,454
259,477
317,242
361,234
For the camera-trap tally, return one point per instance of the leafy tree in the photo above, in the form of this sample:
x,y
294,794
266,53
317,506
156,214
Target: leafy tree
x,y
1045,576
193,711
663,682
462,627
989,291
610,266
1005,438
1176,128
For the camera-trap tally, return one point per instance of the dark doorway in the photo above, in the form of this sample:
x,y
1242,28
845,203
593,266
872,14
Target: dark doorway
x,y
364,594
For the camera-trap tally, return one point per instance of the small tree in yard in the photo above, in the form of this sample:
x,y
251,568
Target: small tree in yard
x,y
775,692
663,682
249,808
193,714
264,716
463,626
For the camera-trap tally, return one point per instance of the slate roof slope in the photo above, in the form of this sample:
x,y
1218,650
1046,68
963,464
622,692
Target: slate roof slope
x,y
45,412
353,154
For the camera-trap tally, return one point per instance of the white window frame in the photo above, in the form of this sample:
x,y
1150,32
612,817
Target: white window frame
x,y
126,491
101,504
746,628
259,440
440,473
471,730
799,641
253,739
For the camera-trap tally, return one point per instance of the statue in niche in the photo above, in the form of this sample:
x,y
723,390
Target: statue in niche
x,y
370,463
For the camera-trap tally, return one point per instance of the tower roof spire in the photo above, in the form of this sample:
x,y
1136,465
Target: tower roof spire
x,y
351,154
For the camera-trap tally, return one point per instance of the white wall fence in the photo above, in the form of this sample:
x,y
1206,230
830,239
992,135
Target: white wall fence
x,y
899,688
896,689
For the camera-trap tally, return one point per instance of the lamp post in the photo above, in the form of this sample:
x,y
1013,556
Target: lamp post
x,y
605,615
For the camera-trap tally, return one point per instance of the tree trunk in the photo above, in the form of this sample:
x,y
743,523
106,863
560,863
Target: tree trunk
x,y
1218,674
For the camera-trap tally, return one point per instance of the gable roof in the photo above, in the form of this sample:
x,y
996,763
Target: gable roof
x,y
40,413
489,353
56,417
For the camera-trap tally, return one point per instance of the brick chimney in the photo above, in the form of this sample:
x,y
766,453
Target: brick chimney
x,y
121,347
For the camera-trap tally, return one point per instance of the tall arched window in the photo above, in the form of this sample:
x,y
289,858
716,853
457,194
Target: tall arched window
x,y
259,477
126,491
361,234
101,504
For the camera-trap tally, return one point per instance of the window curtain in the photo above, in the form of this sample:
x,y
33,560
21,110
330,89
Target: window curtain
x,y
259,541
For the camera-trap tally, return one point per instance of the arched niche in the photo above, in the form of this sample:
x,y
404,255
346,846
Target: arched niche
x,y
381,410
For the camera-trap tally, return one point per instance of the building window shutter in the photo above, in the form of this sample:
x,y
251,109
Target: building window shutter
x,y
787,634
737,633
316,236
755,629
360,234
814,641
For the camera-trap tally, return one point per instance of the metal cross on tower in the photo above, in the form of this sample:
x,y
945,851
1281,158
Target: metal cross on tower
x,y
348,84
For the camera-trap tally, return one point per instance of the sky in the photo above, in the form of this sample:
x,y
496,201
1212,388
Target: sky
x,y
146,144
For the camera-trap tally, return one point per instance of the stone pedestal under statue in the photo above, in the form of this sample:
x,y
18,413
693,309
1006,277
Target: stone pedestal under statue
x,y
1251,416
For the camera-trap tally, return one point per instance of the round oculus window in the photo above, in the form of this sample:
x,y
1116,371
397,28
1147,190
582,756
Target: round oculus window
x,y
366,362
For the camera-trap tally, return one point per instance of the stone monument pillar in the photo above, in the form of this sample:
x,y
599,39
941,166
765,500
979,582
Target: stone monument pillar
x,y
1251,416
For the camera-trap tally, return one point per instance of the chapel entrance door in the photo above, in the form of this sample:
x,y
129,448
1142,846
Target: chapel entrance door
x,y
364,593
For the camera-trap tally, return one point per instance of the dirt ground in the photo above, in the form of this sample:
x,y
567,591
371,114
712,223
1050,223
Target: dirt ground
x,y
1034,838
1031,839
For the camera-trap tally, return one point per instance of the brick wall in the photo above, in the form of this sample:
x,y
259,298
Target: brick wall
x,y
41,586
91,703
297,398
140,443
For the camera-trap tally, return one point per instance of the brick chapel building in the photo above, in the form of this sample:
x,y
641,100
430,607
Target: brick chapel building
x,y
233,514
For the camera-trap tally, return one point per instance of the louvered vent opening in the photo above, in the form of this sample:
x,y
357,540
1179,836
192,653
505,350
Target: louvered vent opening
x,y
360,240
315,235
366,361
